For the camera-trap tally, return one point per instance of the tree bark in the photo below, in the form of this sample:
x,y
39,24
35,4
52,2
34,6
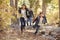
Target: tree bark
x,y
16,2
59,13
44,5
12,3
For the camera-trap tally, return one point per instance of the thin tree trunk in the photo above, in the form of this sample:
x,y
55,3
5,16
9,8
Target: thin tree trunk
x,y
16,2
12,3
44,5
36,7
59,13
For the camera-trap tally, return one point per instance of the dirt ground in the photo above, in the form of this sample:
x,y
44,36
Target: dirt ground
x,y
16,35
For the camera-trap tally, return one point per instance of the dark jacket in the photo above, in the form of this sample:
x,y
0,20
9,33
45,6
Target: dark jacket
x,y
27,11
44,20
31,13
37,20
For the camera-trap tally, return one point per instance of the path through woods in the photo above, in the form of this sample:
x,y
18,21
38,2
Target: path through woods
x,y
15,34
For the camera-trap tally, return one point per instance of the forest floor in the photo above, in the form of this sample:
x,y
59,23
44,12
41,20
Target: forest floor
x,y
15,34
18,36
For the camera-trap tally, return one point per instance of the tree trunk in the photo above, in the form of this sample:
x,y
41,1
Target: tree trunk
x,y
16,2
44,5
59,13
12,3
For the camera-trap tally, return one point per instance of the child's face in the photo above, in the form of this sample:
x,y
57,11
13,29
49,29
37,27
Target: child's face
x,y
42,15
23,7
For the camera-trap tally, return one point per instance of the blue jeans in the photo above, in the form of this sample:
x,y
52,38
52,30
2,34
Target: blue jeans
x,y
22,20
29,20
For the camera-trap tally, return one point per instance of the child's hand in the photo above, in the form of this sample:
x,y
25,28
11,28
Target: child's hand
x,y
33,20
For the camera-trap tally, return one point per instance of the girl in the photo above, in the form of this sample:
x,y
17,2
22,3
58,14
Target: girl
x,y
39,20
23,11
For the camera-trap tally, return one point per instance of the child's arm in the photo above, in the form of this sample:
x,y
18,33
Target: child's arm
x,y
34,20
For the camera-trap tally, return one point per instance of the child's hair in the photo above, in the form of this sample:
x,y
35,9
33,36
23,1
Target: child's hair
x,y
24,5
41,13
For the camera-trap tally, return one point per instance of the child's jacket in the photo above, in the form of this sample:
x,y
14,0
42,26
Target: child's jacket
x,y
37,20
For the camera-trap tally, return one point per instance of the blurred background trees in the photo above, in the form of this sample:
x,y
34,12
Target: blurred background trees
x,y
9,10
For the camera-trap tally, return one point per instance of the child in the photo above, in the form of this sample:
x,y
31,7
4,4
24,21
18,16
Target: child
x,y
23,11
39,20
